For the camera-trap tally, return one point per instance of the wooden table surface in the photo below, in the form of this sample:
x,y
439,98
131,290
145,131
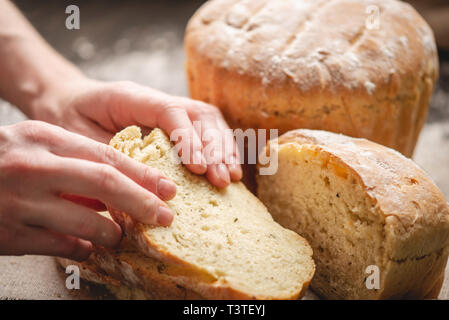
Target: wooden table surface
x,y
142,41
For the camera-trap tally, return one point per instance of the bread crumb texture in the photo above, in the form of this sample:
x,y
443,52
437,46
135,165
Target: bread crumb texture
x,y
226,237
359,204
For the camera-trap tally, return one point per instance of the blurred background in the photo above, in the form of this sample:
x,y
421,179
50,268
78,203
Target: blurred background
x,y
142,41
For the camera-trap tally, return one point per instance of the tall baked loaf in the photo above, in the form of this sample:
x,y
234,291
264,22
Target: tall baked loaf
x,y
359,204
226,238
315,64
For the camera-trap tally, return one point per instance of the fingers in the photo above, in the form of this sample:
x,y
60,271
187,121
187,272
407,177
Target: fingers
x,y
102,173
90,129
129,103
38,241
230,150
149,178
217,171
87,202
235,170
152,108
220,149
68,218
107,184
137,104
218,175
177,124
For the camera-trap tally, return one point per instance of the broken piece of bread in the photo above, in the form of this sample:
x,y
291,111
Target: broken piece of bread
x,y
361,206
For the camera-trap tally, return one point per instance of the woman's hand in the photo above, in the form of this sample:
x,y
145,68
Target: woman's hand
x,y
48,180
49,176
45,86
99,109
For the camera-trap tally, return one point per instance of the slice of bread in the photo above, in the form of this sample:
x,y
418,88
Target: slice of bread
x,y
226,238
363,208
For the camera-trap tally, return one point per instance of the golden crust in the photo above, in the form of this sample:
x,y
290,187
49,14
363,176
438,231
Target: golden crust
x,y
193,278
90,271
314,64
414,212
130,275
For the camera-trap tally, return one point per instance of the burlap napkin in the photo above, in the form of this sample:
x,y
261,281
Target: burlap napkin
x,y
37,277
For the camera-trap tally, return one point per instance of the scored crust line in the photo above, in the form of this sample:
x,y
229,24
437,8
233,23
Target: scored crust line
x,y
320,7
359,36
254,15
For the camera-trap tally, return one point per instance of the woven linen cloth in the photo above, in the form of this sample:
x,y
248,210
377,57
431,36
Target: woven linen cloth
x,y
41,278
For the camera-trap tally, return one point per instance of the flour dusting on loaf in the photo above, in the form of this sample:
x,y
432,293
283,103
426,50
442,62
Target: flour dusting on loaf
x,y
316,64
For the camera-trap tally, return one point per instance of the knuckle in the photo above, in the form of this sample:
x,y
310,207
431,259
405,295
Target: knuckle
x,y
186,134
35,130
26,166
110,155
17,162
171,109
205,109
107,177
150,176
68,248
86,229
39,132
149,209
124,87
209,108
28,125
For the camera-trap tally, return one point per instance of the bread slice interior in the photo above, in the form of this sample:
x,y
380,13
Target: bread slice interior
x,y
227,235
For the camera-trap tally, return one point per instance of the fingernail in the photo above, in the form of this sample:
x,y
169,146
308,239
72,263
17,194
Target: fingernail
x,y
164,216
166,189
199,163
200,160
223,173
235,171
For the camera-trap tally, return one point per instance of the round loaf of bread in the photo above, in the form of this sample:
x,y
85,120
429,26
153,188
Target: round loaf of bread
x,y
378,226
365,68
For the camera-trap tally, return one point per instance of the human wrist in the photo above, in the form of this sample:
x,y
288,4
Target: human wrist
x,y
55,91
